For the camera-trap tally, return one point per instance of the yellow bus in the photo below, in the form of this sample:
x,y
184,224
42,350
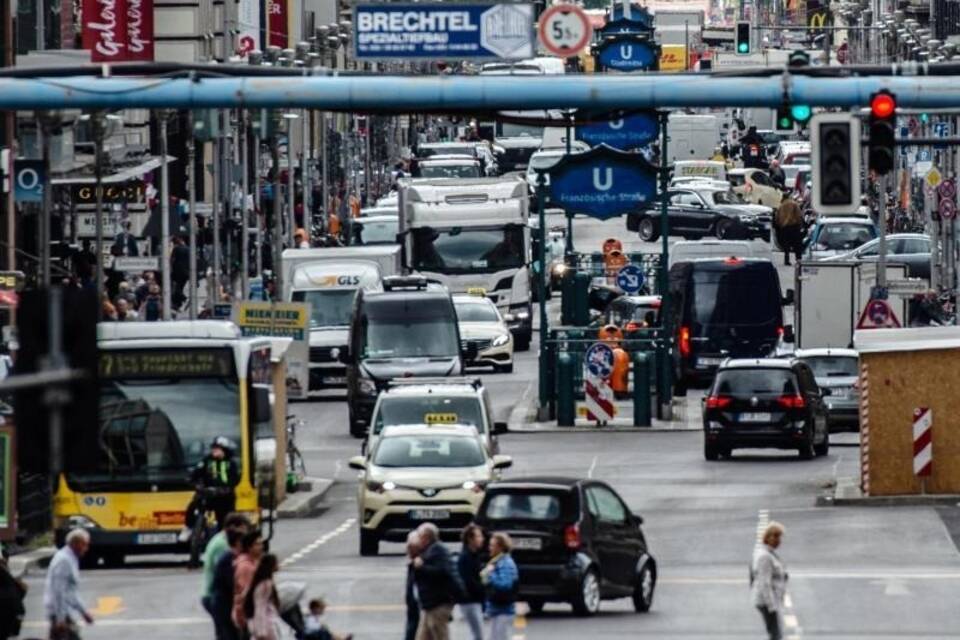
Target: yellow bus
x,y
167,389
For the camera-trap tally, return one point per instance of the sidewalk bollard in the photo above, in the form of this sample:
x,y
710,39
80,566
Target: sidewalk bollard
x,y
581,299
659,355
641,390
566,299
566,398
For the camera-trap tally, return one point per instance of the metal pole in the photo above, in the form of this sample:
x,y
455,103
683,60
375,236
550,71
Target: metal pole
x,y
304,170
367,147
41,25
97,120
666,372
544,393
244,212
882,214
291,191
214,294
165,218
56,395
324,203
569,243
46,206
192,182
277,223
257,214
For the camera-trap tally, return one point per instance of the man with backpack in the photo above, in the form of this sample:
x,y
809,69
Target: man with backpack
x,y
438,584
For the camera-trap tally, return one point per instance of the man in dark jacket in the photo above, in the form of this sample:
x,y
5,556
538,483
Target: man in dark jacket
x,y
221,590
413,606
179,271
438,584
218,471
469,564
752,150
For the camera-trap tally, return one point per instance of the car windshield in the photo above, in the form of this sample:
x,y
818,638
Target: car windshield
x,y
419,337
328,307
844,236
429,451
833,366
526,505
726,197
427,151
468,250
470,170
476,312
518,157
755,382
378,232
432,409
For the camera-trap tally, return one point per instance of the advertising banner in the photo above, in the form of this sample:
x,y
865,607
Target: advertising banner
x,y
118,30
277,11
283,320
248,37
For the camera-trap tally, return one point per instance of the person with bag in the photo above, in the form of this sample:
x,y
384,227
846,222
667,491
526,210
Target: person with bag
x,y
788,223
438,584
502,581
469,563
768,580
261,606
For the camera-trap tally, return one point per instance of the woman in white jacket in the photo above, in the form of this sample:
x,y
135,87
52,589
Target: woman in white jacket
x,y
768,580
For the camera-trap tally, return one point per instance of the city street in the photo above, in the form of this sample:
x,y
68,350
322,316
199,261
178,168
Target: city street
x,y
855,572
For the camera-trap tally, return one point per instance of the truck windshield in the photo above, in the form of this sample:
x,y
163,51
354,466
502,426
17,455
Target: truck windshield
x,y
468,250
368,232
328,307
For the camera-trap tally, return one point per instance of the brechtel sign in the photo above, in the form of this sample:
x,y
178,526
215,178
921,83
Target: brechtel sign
x,y
443,31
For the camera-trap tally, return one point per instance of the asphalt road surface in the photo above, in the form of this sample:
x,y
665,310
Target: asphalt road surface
x,y
861,572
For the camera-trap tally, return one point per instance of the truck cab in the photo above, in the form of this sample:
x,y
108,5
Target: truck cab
x,y
472,236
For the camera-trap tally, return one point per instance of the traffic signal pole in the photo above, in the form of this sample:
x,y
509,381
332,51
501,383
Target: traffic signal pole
x,y
666,372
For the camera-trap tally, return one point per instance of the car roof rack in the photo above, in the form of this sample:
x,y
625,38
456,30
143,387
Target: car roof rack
x,y
474,382
399,283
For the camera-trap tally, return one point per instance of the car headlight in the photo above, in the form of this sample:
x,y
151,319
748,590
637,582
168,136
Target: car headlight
x,y
475,486
522,315
559,268
501,340
748,217
380,487
509,317
367,386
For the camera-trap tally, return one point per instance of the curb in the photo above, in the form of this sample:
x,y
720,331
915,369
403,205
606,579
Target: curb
x,y
21,564
846,493
550,428
305,504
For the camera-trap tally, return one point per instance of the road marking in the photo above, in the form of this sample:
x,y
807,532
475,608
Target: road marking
x,y
107,606
322,540
593,465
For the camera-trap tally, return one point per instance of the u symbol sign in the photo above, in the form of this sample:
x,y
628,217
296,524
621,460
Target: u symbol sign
x,y
605,183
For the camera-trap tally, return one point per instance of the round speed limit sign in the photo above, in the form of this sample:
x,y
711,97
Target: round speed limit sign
x,y
564,30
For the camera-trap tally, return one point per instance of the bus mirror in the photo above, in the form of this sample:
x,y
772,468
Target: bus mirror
x,y
260,405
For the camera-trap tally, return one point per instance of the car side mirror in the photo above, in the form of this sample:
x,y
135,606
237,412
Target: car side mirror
x,y
499,428
637,519
788,299
363,448
788,335
358,462
502,462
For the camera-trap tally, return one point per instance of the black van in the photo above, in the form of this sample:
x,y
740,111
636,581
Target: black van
x,y
724,308
409,329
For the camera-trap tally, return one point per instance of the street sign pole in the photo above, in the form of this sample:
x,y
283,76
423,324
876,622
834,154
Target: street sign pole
x,y
667,362
569,248
542,298
192,184
165,217
882,257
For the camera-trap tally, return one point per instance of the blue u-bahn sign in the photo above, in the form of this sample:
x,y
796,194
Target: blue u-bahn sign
x,y
603,182
628,53
625,132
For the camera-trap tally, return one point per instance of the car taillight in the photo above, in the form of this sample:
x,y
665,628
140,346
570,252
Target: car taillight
x,y
685,342
632,326
779,332
571,536
718,402
795,401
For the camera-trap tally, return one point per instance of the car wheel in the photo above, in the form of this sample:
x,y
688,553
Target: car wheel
x,y
711,452
357,430
823,448
587,601
643,590
504,368
807,449
369,543
648,230
535,606
723,229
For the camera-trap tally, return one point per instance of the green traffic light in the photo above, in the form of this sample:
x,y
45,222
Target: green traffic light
x,y
743,47
924,117
801,112
785,123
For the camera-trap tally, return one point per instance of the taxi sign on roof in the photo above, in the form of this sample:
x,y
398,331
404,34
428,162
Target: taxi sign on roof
x,y
440,418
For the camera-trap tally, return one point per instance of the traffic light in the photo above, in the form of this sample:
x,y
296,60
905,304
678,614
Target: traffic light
x,y
883,132
835,161
742,38
784,122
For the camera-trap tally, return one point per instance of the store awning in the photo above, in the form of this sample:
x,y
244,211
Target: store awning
x,y
122,175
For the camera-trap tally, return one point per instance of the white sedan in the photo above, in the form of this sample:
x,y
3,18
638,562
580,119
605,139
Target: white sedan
x,y
482,325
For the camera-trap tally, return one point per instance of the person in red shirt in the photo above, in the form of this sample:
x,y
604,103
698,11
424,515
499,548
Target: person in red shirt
x,y
244,566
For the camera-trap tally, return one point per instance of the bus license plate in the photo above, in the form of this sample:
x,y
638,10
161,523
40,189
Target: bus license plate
x,y
157,538
429,514
755,417
529,544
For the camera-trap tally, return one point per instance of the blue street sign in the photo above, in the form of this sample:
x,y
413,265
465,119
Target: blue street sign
x,y
603,182
443,31
637,14
599,360
923,155
625,133
630,278
941,130
904,134
256,288
28,179
628,53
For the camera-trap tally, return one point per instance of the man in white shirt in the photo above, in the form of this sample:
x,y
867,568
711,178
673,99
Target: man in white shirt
x,y
61,596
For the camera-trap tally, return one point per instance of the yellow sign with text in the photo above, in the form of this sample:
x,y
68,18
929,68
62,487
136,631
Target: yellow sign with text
x,y
673,57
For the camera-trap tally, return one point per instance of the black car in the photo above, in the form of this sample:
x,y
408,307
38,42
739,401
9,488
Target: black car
x,y
765,402
574,540
692,217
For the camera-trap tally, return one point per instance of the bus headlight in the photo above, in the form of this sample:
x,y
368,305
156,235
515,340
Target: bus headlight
x,y
81,522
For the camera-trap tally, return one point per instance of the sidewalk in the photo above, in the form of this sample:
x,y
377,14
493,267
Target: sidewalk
x,y
306,503
846,493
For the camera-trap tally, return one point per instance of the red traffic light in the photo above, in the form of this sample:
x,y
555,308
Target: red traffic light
x,y
883,105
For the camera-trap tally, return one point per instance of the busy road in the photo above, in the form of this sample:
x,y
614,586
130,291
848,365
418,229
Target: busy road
x,y
855,572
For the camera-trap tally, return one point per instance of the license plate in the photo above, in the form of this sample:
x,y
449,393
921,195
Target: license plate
x,y
429,514
157,538
755,417
709,361
530,544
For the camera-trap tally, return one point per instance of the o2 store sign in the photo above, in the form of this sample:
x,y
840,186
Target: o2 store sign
x,y
118,30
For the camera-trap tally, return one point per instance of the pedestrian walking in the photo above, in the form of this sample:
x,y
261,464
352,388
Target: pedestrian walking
x,y
768,580
413,605
179,271
12,592
261,606
469,564
788,224
244,566
218,547
61,592
502,582
777,176
220,603
438,584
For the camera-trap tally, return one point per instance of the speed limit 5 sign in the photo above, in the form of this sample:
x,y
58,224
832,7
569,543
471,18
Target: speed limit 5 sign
x,y
564,30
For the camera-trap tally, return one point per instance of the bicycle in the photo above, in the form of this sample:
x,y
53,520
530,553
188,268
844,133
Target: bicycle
x,y
205,523
296,467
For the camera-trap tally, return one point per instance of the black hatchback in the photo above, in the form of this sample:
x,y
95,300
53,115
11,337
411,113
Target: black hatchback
x,y
574,541
765,402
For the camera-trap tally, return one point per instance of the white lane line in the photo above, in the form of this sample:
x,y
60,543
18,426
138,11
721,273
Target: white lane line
x,y
593,465
313,546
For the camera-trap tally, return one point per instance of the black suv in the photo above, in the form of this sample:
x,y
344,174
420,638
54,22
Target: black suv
x,y
574,541
765,402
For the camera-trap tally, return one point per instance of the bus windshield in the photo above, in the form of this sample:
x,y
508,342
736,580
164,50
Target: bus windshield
x,y
468,250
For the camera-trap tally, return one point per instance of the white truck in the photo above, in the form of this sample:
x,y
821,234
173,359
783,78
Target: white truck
x,y
328,279
692,137
472,236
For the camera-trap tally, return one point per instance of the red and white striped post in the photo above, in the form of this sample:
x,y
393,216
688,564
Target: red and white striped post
x,y
922,444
